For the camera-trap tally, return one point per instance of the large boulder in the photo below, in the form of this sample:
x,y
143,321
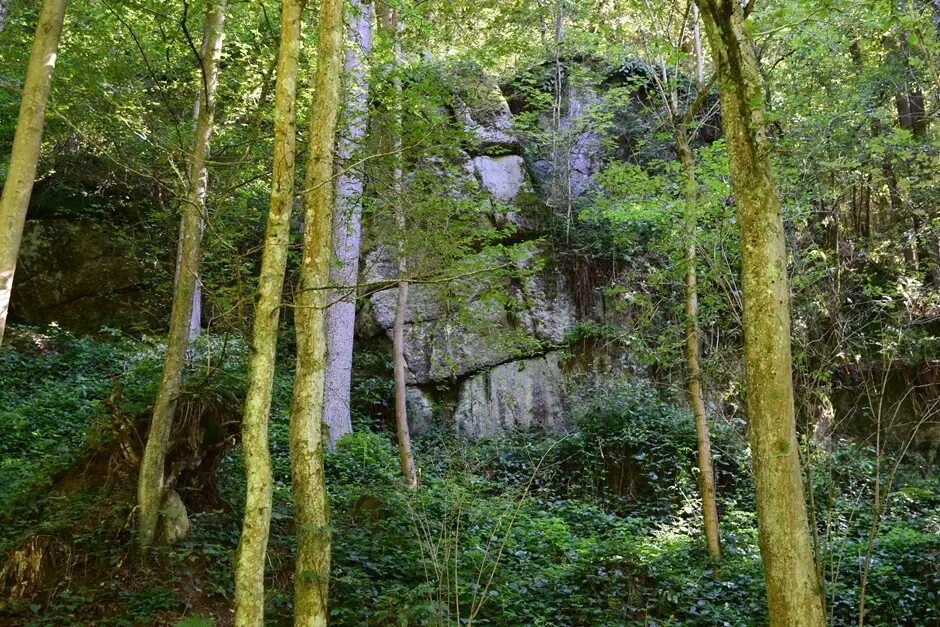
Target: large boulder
x,y
77,273
516,396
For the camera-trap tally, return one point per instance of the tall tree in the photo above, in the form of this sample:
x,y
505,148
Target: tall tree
x,y
150,488
347,230
793,588
252,545
311,508
26,143
680,130
390,23
679,116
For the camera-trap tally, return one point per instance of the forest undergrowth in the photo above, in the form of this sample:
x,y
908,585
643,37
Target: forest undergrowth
x,y
599,527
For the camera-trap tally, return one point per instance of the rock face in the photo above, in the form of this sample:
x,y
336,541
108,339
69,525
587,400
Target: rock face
x,y
500,319
74,272
504,177
484,336
508,183
482,111
579,157
517,396
420,410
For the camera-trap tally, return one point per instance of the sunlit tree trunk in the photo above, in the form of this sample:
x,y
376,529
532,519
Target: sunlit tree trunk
x,y
150,487
252,545
389,21
793,588
26,144
311,507
347,217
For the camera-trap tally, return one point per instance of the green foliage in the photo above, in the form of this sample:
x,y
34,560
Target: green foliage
x,y
598,528
51,388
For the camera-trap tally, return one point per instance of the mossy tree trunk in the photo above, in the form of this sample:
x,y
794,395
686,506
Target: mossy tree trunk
x,y
27,141
311,507
347,230
253,543
150,487
793,589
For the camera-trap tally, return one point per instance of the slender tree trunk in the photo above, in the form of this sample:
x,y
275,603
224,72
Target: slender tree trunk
x,y
195,318
150,487
389,19
347,217
690,235
26,143
401,405
3,14
311,507
706,474
252,546
793,588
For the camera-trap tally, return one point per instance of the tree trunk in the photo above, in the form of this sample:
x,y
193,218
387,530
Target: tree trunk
x,y
311,508
347,217
252,546
195,318
150,487
401,405
794,592
706,474
389,21
26,143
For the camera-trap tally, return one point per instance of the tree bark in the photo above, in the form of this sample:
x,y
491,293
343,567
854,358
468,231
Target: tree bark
x,y
311,507
706,474
150,486
27,141
794,592
347,230
253,543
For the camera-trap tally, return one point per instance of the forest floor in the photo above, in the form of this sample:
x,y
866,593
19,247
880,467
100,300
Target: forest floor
x,y
597,528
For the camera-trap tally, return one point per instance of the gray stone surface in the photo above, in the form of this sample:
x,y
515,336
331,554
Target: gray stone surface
x,y
504,177
420,410
484,114
546,307
581,145
175,520
452,331
516,396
